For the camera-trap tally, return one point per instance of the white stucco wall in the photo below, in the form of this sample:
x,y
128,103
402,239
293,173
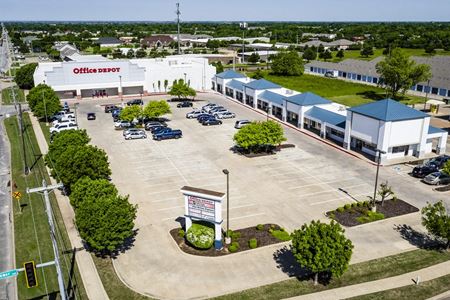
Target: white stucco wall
x,y
406,132
365,128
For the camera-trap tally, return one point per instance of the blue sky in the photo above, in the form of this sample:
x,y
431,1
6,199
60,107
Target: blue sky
x,y
229,10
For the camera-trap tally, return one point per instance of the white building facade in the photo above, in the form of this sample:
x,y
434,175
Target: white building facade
x,y
88,76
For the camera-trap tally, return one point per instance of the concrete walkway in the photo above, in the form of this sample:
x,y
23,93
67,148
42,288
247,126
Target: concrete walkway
x,y
381,285
91,280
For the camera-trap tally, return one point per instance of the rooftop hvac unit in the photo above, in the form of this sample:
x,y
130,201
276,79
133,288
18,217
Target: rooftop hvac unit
x,y
289,92
341,108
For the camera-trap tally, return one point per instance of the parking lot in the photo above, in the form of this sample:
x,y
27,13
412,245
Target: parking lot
x,y
290,188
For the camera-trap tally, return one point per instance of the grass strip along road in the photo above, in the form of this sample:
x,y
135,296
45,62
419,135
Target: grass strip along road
x,y
7,98
31,229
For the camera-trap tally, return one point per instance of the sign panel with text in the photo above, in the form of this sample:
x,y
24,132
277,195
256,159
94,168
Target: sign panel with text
x,y
201,208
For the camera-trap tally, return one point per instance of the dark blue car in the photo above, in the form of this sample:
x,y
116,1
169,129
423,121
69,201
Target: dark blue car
x,y
167,133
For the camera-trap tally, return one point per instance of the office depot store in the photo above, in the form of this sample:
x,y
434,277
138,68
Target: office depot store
x,y
96,76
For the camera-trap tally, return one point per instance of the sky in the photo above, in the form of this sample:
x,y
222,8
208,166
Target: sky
x,y
229,10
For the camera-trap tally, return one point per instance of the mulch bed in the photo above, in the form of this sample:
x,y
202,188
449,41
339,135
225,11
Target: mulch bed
x,y
263,236
390,209
271,151
445,188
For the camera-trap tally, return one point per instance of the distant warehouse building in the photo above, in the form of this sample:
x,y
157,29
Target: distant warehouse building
x,y
90,75
365,71
388,126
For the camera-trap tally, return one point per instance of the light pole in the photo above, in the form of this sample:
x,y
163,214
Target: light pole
x,y
184,78
269,109
76,117
243,26
426,95
228,239
120,90
378,153
45,106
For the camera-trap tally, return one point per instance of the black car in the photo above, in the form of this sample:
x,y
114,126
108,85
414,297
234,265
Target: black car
x,y
150,125
185,104
212,121
203,117
439,161
135,102
423,170
91,116
109,108
156,129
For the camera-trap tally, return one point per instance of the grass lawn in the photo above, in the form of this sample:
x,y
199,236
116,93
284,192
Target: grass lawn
x,y
340,91
31,230
357,273
422,291
7,96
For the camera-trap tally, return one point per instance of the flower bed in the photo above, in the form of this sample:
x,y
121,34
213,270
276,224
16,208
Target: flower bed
x,y
242,240
359,213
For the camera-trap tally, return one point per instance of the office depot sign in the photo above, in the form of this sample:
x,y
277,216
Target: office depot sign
x,y
95,70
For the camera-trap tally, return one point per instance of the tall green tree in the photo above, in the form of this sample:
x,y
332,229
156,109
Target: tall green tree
x,y
43,101
61,141
446,168
436,220
398,72
322,248
181,89
254,58
105,223
310,54
87,189
155,109
219,66
130,53
259,135
340,54
130,113
326,55
287,64
367,50
24,76
140,53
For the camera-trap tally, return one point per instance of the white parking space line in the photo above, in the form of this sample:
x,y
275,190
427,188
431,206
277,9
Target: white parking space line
x,y
247,216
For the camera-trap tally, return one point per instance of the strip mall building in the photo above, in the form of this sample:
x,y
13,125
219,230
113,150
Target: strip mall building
x,y
387,126
90,75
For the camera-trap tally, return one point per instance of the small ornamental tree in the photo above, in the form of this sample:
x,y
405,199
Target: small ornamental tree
x,y
155,109
86,189
446,168
259,136
166,84
385,191
322,248
340,54
106,222
181,90
436,220
43,101
159,85
130,113
24,76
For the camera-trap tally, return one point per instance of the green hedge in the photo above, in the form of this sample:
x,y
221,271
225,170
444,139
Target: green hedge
x,y
200,236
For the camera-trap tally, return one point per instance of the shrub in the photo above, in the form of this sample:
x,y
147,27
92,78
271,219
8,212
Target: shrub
x,y
253,243
200,236
235,235
347,206
331,216
360,204
234,247
355,204
340,209
281,235
370,217
181,233
259,227
366,203
273,227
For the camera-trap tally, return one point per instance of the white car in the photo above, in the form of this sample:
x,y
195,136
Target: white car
x,y
194,114
62,114
132,135
241,123
211,107
224,115
63,121
62,127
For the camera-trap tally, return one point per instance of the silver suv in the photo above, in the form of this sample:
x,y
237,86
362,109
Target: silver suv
x,y
133,135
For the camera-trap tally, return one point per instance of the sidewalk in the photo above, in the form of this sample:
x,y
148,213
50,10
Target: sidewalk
x,y
380,285
91,280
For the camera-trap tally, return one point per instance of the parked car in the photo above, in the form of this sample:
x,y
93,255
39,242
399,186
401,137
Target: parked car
x,y
437,178
211,107
129,130
185,104
62,121
224,115
116,112
205,117
132,135
194,114
62,114
161,120
440,160
241,123
135,102
122,124
425,169
110,107
167,133
62,127
66,107
212,121
150,125
91,116
156,129
217,109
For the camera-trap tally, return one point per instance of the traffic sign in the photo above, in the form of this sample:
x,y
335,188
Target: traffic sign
x,y
7,274
17,195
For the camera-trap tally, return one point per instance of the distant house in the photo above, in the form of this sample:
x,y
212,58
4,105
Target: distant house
x,y
157,41
65,49
127,39
108,42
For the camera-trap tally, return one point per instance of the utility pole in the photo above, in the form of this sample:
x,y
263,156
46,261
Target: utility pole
x,y
22,135
178,27
243,26
45,190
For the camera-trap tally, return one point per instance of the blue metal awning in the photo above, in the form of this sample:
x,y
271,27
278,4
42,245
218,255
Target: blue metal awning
x,y
326,116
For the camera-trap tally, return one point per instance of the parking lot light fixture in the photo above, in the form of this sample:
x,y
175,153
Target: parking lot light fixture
x,y
378,158
228,239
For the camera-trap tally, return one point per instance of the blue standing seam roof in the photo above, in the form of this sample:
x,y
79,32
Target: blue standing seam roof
x,y
326,116
272,97
388,110
432,130
307,99
262,84
236,85
230,74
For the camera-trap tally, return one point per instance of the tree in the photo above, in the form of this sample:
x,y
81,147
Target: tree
x,y
310,54
446,168
430,48
24,76
80,161
61,141
327,55
385,191
436,220
254,58
159,85
259,135
219,66
86,189
166,84
340,54
321,48
43,101
398,72
117,53
130,113
181,90
130,53
155,109
287,64
367,50
322,248
258,74
105,223
140,53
